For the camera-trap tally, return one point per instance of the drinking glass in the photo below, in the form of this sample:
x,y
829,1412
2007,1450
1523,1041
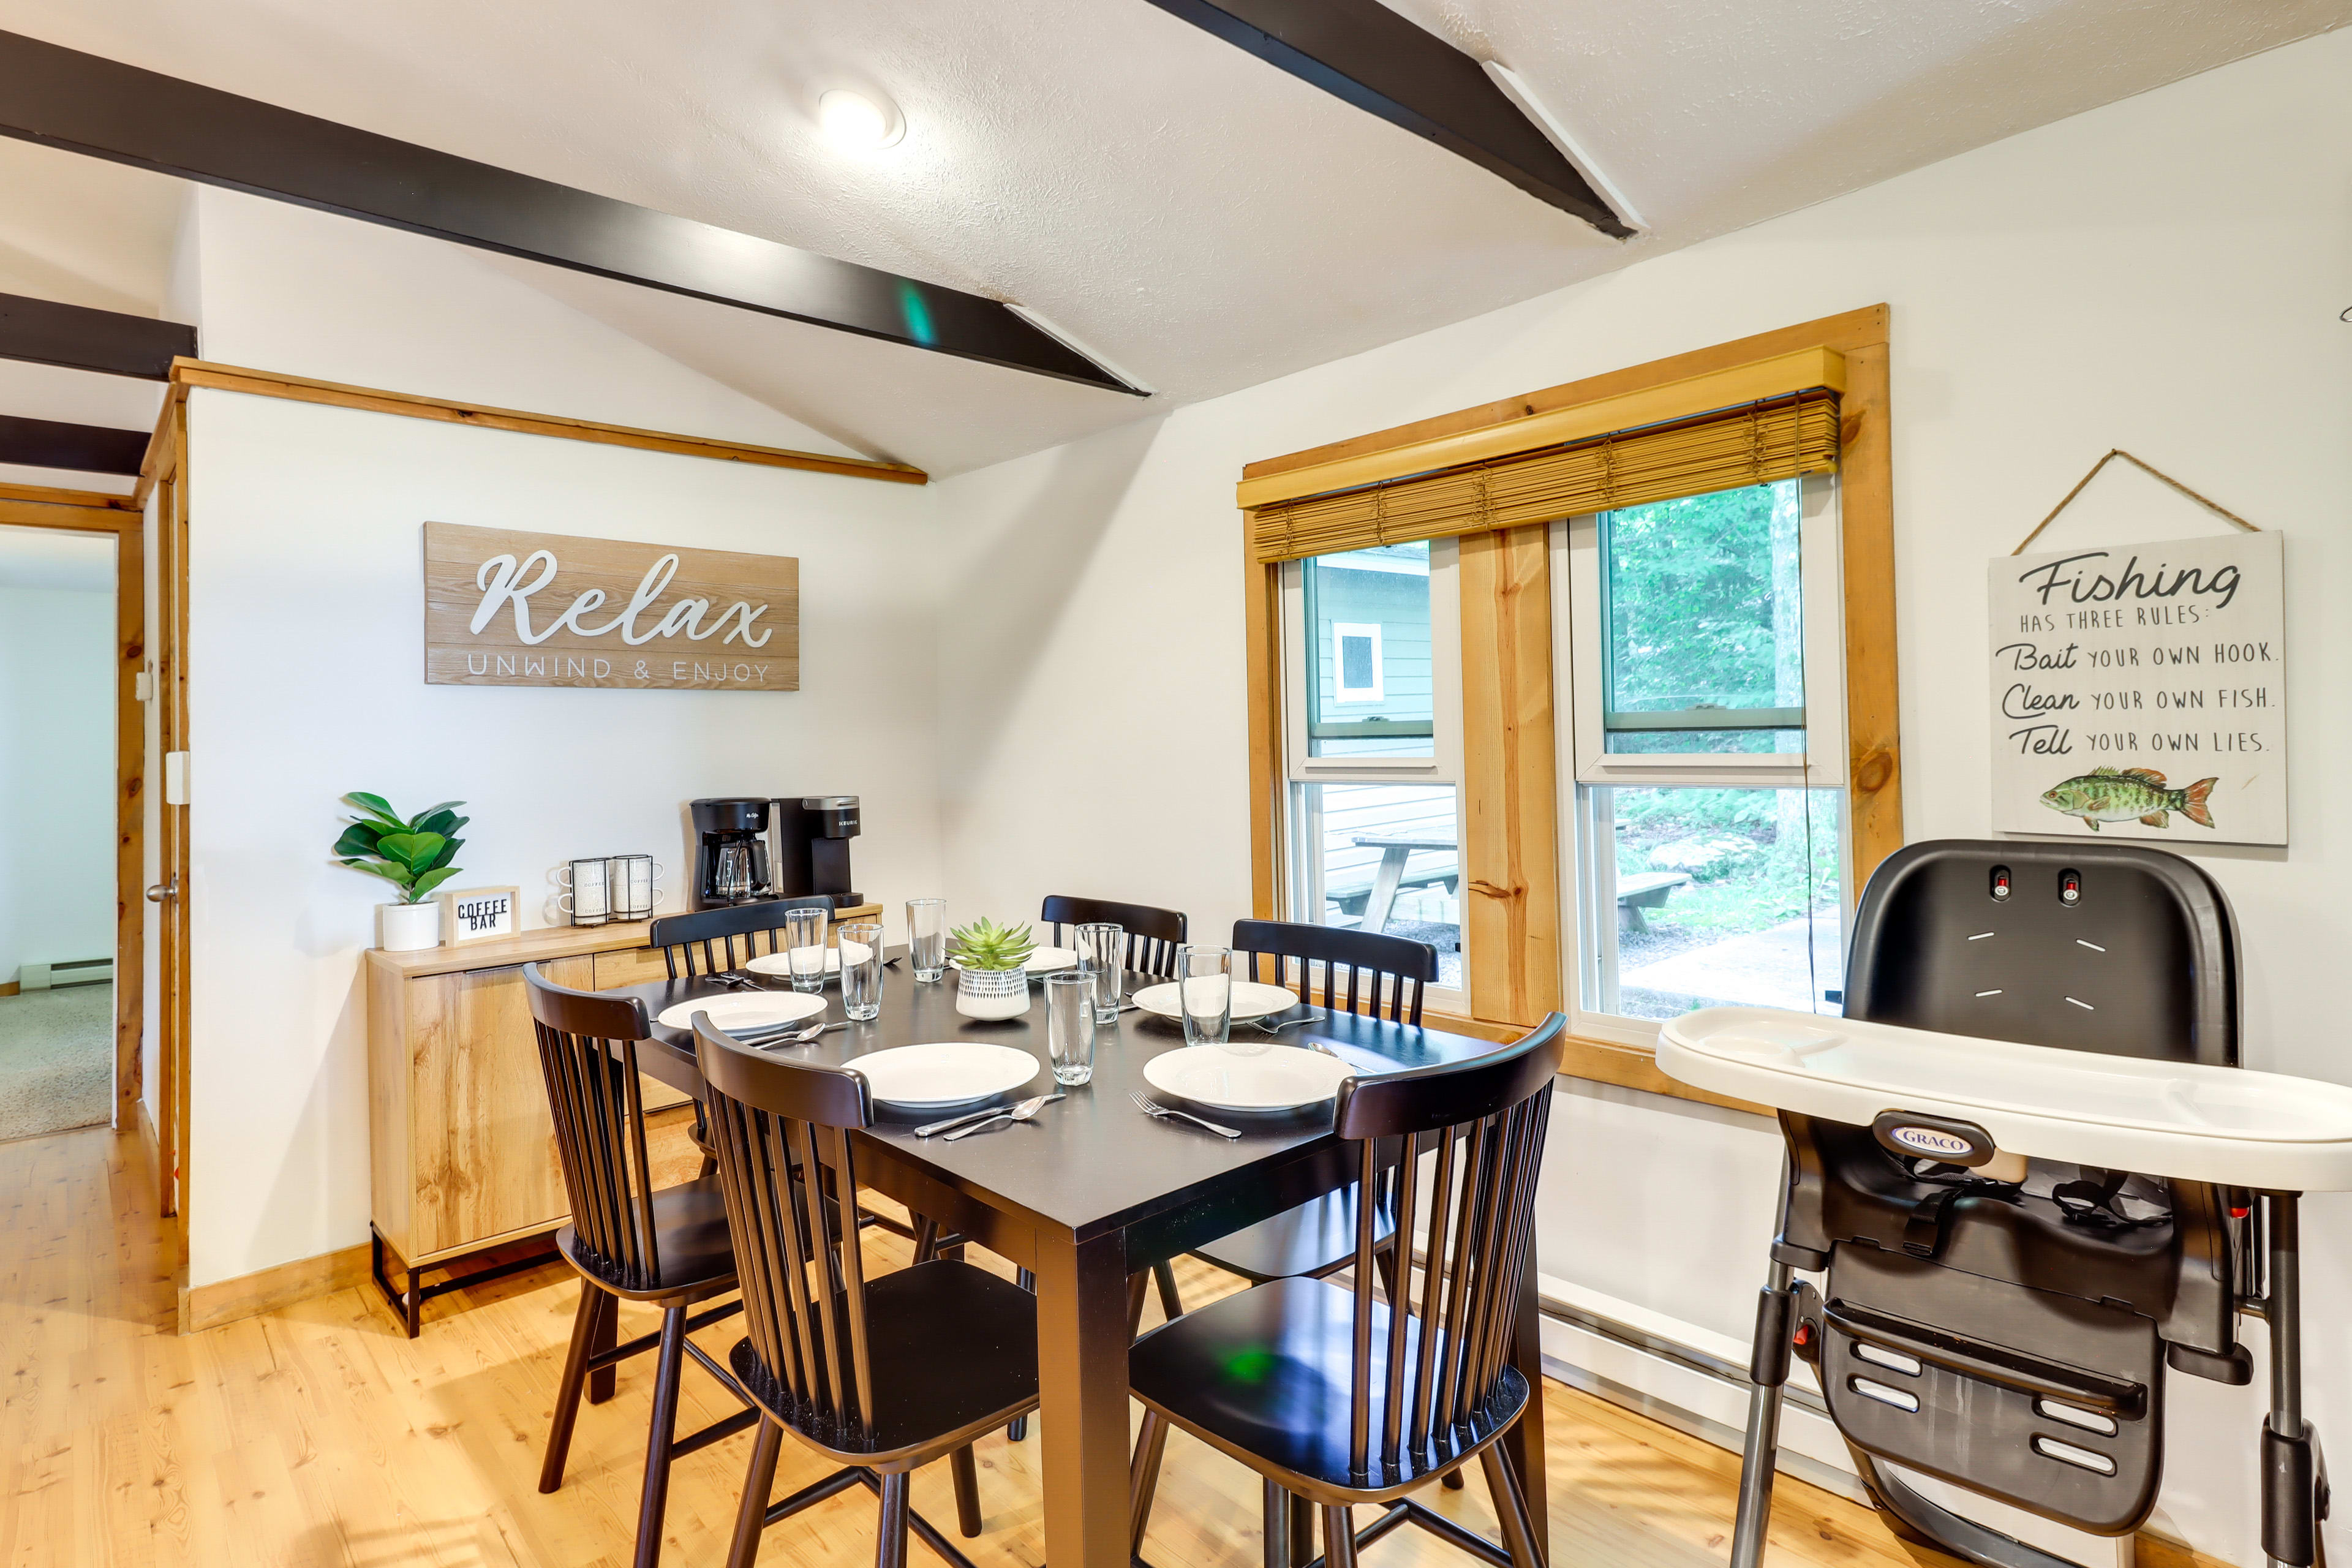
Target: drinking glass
x,y
1070,1025
927,937
804,947
861,971
1205,980
1102,952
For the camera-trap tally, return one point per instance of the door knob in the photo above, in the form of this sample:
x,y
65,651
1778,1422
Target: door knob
x,y
162,891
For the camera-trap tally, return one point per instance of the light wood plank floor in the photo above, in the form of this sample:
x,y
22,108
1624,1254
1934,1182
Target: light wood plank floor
x,y
318,1436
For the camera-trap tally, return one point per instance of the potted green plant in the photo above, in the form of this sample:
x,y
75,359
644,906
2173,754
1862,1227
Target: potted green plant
x,y
992,979
414,854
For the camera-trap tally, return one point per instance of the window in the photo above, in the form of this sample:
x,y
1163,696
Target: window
x,y
1707,823
1371,708
1356,660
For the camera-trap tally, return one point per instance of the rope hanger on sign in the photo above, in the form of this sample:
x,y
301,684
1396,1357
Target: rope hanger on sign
x,y
2150,469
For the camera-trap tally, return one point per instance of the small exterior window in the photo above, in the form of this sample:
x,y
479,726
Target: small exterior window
x,y
1356,661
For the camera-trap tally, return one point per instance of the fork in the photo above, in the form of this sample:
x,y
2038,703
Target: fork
x,y
1272,1028
1152,1107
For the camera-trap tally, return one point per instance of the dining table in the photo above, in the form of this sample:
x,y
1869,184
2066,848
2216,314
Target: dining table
x,y
1092,1190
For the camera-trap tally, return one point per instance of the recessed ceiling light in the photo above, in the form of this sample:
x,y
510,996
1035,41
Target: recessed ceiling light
x,y
857,123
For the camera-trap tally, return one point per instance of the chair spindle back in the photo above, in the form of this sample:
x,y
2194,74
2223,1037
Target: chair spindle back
x,y
789,1174
588,1055
1384,974
1483,1121
725,938
1153,935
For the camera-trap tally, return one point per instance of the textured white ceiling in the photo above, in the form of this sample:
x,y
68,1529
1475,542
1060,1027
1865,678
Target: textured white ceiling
x,y
1196,216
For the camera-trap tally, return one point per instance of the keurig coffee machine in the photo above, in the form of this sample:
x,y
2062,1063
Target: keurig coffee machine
x,y
731,852
812,846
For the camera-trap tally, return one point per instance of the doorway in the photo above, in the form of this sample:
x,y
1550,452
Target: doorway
x,y
72,744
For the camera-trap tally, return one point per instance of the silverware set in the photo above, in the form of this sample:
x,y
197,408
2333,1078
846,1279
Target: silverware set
x,y
1021,1112
796,1033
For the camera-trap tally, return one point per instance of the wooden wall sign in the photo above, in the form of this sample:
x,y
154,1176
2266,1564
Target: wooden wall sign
x,y
505,608
2140,692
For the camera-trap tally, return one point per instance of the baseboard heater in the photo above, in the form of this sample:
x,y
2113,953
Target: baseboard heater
x,y
53,976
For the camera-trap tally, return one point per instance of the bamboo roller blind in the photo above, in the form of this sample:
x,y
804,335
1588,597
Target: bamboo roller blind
x,y
1755,443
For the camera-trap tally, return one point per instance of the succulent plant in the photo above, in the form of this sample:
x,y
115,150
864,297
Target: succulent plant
x,y
414,854
984,944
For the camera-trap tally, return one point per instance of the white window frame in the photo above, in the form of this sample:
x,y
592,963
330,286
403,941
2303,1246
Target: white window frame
x,y
1367,631
1442,764
1589,886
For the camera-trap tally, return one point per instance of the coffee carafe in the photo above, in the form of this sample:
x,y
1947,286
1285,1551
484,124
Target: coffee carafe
x,y
731,852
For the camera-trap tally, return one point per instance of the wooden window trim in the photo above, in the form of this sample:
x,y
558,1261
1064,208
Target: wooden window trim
x,y
1510,843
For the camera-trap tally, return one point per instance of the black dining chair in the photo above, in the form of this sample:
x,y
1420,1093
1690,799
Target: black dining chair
x,y
884,1374
726,937
1384,977
1338,1397
1152,935
627,1239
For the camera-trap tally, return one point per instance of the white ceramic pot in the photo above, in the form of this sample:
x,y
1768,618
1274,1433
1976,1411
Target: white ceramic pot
x,y
405,928
992,993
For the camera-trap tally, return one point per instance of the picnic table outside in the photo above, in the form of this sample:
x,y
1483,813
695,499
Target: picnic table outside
x,y
1637,893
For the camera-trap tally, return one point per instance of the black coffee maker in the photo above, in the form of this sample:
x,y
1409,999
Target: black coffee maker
x,y
812,841
731,852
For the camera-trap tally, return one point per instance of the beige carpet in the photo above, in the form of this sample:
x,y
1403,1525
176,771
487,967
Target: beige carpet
x,y
57,1059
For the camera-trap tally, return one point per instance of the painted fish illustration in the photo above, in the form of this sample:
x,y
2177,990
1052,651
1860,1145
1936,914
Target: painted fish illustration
x,y
2111,794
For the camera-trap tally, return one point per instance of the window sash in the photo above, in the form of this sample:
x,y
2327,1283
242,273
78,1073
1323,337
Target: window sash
x,y
1580,645
1580,670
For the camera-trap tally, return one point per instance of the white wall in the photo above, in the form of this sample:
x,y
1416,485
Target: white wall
x,y
306,677
2163,275
56,770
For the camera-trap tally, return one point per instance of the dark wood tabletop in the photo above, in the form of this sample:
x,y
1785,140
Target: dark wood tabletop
x,y
1092,1190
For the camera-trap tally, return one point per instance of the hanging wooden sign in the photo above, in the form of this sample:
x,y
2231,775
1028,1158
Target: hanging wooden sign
x,y
507,608
2140,691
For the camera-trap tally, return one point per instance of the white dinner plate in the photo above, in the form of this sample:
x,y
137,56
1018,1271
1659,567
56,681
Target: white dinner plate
x,y
780,964
1252,999
1281,1077
1044,960
954,1072
744,1010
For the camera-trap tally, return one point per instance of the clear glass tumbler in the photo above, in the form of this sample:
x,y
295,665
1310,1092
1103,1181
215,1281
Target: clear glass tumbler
x,y
927,937
861,971
1102,952
1070,1025
804,948
1204,979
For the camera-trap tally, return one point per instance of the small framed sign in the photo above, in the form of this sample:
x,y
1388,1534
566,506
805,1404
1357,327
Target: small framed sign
x,y
478,913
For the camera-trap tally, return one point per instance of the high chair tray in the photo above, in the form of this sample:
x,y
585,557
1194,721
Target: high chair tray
x,y
2184,1120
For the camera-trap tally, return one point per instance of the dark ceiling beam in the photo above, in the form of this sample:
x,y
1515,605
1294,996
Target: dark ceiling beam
x,y
85,448
1362,52
86,103
43,332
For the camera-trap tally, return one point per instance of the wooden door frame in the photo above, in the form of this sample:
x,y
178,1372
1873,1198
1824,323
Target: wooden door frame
x,y
84,512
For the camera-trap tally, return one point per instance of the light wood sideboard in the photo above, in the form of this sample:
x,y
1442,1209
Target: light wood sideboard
x,y
462,1151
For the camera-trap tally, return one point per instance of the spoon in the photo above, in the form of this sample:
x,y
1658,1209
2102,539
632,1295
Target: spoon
x,y
1021,1112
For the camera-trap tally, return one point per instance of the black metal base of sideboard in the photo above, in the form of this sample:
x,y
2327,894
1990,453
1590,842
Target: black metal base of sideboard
x,y
408,1304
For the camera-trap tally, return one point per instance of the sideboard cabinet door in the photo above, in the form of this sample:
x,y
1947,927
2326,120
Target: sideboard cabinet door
x,y
485,1148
